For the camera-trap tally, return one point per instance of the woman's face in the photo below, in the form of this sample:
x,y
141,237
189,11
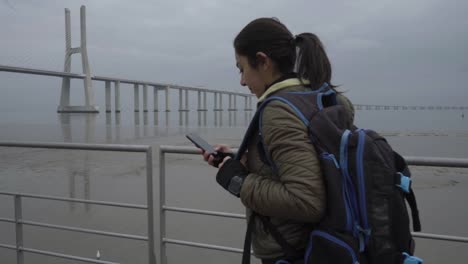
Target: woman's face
x,y
250,77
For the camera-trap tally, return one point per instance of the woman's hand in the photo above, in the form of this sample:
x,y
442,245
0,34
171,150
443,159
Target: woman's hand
x,y
219,148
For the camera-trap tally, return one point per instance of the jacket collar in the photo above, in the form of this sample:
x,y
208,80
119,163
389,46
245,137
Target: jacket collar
x,y
281,85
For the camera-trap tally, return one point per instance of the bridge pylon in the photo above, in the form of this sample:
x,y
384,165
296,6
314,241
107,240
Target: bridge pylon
x,y
89,106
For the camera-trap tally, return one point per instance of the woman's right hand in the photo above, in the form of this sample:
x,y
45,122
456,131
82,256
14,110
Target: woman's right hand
x,y
220,148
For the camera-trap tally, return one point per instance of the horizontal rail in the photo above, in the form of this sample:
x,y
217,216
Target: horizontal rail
x,y
411,160
55,198
203,212
441,237
182,150
7,220
201,245
65,256
160,86
76,229
80,146
84,230
7,246
437,162
54,254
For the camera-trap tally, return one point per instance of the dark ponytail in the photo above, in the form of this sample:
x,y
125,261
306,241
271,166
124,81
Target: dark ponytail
x,y
312,62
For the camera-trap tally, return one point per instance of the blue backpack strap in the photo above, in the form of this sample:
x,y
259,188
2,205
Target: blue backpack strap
x,y
260,122
323,92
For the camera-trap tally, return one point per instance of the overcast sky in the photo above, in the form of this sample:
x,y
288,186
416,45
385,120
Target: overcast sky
x,y
383,52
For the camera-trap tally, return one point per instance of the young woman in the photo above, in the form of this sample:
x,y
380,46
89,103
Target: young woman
x,y
292,195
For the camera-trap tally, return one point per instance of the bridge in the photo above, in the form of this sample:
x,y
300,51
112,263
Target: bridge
x,y
89,104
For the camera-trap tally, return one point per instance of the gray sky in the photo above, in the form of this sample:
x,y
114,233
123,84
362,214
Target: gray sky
x,y
383,52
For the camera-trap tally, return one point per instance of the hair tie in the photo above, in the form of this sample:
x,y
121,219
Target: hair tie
x,y
293,41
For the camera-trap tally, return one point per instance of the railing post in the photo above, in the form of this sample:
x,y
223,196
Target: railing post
x,y
117,96
19,230
149,194
108,97
230,102
162,201
145,98
136,97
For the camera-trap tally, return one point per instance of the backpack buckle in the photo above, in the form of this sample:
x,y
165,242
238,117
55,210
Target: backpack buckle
x,y
405,182
363,235
411,259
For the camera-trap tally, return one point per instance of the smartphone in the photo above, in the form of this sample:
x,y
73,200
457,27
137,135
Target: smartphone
x,y
201,143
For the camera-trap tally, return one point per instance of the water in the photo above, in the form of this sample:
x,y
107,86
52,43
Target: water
x,y
120,177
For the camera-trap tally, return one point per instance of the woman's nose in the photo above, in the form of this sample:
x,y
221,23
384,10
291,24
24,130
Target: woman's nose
x,y
242,82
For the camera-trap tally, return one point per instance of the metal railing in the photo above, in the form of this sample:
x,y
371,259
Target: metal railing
x,y
160,244
414,161
18,198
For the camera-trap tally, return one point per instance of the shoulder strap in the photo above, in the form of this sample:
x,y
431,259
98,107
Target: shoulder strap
x,y
248,239
401,166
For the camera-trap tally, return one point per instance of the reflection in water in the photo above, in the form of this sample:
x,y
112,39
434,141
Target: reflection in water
x,y
136,117
70,163
145,123
183,118
232,118
167,118
247,118
108,128
218,118
156,119
117,127
201,118
64,120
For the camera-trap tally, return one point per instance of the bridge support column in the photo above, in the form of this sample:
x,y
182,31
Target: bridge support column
x,y
155,99
117,96
136,97
89,106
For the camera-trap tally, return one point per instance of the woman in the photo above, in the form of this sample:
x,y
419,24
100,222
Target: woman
x,y
292,194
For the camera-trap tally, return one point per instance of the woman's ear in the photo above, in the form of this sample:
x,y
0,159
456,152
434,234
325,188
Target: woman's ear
x,y
263,61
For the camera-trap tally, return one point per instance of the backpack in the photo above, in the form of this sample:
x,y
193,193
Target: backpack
x,y
366,218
